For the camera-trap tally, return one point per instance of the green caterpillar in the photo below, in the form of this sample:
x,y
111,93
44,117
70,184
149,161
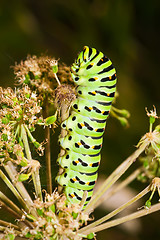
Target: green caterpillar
x,y
95,80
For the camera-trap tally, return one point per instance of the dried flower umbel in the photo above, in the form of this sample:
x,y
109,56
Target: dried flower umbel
x,y
37,72
56,219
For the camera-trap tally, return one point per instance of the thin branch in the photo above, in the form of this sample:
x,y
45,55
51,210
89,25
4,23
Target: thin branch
x,y
119,186
10,204
13,189
127,218
15,214
27,202
116,211
16,211
114,177
55,75
8,224
48,149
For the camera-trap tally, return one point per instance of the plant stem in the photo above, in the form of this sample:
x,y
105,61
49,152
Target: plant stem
x,y
116,211
127,218
13,189
8,224
115,176
25,200
35,174
119,186
48,149
15,214
10,203
64,116
55,75
14,209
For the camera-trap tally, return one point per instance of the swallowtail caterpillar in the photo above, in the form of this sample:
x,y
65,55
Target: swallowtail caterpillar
x,y
95,80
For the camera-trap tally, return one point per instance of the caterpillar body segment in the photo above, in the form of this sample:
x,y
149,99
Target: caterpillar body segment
x,y
82,162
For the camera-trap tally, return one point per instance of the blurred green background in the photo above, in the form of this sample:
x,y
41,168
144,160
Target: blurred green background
x,y
128,32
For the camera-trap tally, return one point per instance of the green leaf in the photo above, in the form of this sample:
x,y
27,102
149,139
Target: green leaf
x,y
10,236
36,77
157,128
36,144
40,121
27,79
27,95
90,236
151,120
52,208
28,235
51,119
5,120
32,129
4,137
4,106
55,69
40,212
39,235
145,164
23,177
23,162
148,204
74,215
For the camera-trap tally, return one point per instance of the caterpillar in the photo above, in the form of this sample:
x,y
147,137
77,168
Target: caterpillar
x,y
95,80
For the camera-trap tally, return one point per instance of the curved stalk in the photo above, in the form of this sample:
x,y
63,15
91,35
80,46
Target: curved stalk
x,y
35,174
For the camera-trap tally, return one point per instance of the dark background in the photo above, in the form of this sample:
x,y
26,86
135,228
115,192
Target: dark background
x,y
128,32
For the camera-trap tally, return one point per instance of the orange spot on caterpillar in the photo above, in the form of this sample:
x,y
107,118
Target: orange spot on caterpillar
x,y
92,64
82,124
87,183
102,59
110,77
94,92
96,78
90,108
74,179
76,161
102,112
72,195
90,164
108,94
96,130
79,143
